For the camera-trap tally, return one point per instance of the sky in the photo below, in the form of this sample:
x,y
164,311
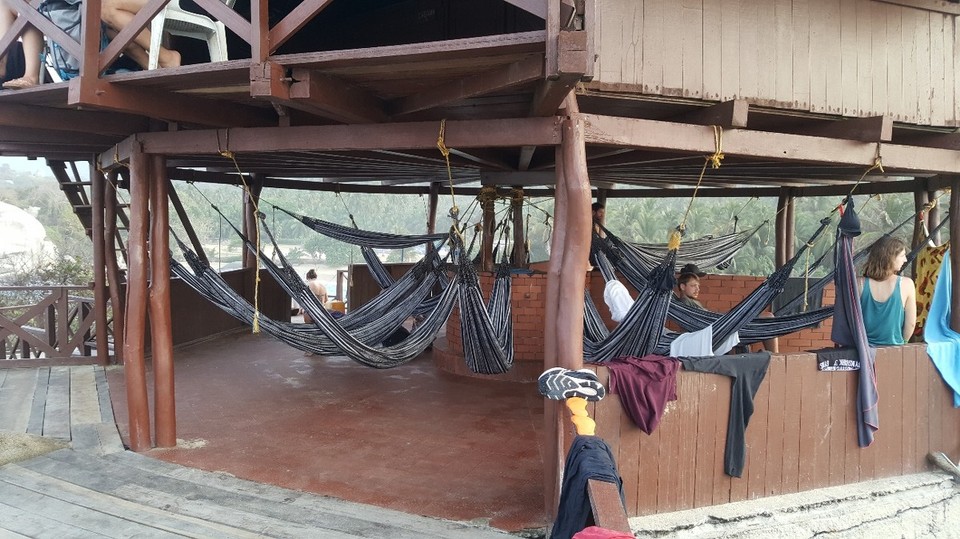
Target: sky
x,y
27,165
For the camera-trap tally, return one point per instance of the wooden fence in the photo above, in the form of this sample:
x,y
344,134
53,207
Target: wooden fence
x,y
802,434
54,323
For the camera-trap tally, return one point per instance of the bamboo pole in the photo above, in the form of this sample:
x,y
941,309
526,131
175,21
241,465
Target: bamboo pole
x,y
138,407
161,331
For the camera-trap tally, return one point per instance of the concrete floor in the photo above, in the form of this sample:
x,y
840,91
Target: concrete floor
x,y
410,438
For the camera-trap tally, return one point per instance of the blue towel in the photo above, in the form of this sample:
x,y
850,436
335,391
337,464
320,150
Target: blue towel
x,y
943,344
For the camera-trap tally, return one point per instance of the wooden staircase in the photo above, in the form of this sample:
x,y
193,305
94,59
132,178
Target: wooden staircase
x,y
77,192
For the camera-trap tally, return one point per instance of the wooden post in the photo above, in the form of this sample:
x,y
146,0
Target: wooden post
x,y
432,211
920,199
602,197
782,226
553,411
566,283
250,223
955,253
134,368
933,216
113,267
791,228
100,293
487,198
519,237
161,331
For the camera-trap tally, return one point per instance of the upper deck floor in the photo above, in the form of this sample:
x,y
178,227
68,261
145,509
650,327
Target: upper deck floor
x,y
837,77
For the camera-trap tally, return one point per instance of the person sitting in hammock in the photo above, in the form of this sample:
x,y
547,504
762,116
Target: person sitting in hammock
x,y
888,301
688,286
688,290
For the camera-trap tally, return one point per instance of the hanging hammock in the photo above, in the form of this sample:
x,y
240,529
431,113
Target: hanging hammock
x,y
705,252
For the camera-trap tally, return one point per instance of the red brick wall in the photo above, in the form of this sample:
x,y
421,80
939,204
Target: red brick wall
x,y
717,292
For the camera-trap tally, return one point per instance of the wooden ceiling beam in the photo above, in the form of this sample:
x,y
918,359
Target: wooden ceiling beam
x,y
460,134
501,78
518,179
871,129
746,192
83,121
168,106
659,135
728,115
946,141
332,98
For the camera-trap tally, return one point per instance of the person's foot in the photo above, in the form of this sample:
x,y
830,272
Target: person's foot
x,y
20,84
168,58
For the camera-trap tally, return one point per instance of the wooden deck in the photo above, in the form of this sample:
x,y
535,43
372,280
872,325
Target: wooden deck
x,y
97,489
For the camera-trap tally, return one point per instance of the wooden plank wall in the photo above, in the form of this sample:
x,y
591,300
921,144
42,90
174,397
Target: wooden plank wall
x,y
853,58
802,435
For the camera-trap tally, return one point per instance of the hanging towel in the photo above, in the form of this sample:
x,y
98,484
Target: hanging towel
x,y
943,344
644,385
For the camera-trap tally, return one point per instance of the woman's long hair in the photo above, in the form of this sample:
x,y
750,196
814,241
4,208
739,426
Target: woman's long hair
x,y
882,256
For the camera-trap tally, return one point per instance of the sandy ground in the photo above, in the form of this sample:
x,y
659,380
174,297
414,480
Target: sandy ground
x,y
15,447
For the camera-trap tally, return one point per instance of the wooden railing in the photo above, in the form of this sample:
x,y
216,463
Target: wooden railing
x,y
47,323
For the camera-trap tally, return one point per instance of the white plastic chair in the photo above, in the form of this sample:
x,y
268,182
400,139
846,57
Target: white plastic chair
x,y
175,20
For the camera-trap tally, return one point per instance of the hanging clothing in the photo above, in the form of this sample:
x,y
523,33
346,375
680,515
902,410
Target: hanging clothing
x,y
748,372
943,343
645,385
928,267
848,325
883,320
618,300
589,458
700,343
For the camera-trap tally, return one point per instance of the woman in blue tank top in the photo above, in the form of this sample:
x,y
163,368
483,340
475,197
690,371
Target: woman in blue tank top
x,y
888,301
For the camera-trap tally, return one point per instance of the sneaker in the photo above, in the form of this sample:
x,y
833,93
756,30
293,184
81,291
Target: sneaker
x,y
558,383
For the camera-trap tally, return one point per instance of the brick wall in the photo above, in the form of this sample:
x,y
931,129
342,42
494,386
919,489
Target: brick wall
x,y
717,292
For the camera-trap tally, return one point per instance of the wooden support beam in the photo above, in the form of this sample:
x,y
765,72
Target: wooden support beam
x,y
127,34
134,367
653,134
251,224
432,210
185,221
110,238
728,115
80,121
100,293
330,97
259,32
230,18
294,21
487,198
501,78
871,129
189,109
523,179
161,328
780,226
519,241
400,136
933,216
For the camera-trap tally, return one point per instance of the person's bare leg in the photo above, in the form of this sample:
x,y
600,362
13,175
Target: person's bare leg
x,y
32,45
117,14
